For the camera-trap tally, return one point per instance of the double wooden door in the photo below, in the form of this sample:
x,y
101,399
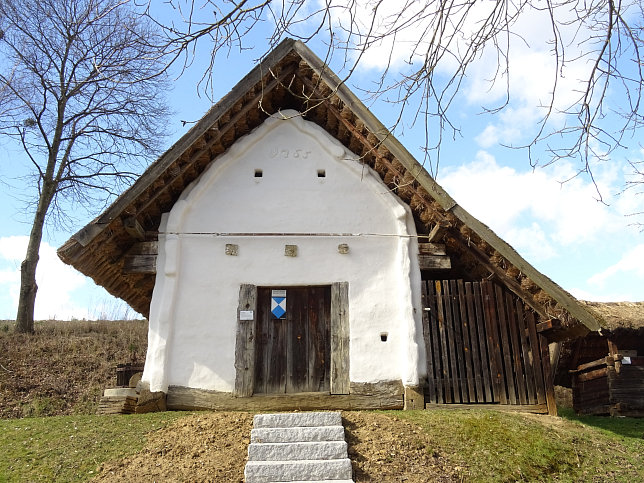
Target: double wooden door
x,y
293,349
483,346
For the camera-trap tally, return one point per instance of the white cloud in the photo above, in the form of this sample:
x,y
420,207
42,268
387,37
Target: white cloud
x,y
533,71
56,281
632,262
533,211
534,240
399,39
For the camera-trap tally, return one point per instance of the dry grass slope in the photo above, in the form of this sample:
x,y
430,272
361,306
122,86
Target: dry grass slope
x,y
64,367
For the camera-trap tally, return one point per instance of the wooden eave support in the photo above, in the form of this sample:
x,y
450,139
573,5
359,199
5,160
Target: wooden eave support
x,y
432,249
141,258
557,332
437,232
432,256
133,228
550,324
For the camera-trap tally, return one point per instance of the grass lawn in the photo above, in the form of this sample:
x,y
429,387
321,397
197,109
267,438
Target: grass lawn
x,y
71,448
497,446
483,445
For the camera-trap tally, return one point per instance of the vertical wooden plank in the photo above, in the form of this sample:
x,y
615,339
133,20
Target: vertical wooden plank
x,y
326,340
340,338
318,313
547,376
458,340
477,371
427,339
297,357
505,344
245,342
276,361
451,336
467,343
494,343
536,357
312,325
436,340
525,349
482,345
513,325
261,339
447,382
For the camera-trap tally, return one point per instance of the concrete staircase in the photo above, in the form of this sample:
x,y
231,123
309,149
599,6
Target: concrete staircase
x,y
297,447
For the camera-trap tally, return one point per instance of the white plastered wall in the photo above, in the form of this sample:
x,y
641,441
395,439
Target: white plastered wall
x,y
193,314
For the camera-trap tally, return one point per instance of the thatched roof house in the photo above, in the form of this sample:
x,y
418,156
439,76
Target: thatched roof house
x,y
127,248
606,368
615,316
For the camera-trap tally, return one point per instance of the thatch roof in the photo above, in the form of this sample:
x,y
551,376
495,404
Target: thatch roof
x,y
292,77
618,315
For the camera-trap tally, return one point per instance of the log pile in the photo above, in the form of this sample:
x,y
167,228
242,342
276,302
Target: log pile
x,y
117,405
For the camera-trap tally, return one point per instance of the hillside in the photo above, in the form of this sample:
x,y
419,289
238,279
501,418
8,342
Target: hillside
x,y
65,366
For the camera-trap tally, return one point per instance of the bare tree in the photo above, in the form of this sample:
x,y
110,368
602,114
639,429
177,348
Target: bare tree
x,y
443,42
80,91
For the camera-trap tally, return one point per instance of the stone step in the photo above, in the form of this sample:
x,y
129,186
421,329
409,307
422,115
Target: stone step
x,y
290,420
320,450
302,434
302,470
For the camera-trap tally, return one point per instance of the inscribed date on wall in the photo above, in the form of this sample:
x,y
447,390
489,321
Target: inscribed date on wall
x,y
290,153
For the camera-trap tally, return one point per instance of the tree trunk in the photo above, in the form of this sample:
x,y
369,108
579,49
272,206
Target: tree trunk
x,y
28,286
28,289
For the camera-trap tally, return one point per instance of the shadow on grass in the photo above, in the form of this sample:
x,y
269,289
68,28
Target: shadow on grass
x,y
626,427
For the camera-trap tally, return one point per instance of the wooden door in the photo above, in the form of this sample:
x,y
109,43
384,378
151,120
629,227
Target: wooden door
x,y
482,346
293,352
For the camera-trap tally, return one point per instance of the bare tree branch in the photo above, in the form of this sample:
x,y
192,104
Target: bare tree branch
x,y
80,89
444,43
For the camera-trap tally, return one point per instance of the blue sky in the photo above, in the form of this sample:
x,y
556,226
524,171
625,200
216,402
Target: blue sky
x,y
590,248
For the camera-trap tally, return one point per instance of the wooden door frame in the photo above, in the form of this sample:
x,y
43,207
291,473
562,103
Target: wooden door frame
x,y
246,340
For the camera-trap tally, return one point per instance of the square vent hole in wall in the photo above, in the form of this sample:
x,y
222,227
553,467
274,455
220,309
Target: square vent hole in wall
x,y
321,173
259,173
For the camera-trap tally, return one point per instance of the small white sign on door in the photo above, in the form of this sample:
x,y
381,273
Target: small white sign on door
x,y
246,315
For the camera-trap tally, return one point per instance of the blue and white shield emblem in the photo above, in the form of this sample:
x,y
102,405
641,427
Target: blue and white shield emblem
x,y
278,303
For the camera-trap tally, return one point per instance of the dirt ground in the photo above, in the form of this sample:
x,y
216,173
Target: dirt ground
x,y
211,447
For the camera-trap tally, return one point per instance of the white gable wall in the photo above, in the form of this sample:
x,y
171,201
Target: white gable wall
x,y
194,305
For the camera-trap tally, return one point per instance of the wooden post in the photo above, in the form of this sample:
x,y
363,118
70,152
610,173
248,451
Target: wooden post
x,y
340,338
547,376
245,343
431,380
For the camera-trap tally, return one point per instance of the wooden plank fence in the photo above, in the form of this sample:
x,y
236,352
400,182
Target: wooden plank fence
x,y
482,346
